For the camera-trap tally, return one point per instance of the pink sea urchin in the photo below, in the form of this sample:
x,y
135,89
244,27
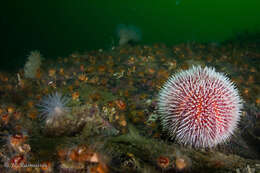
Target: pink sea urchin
x,y
199,107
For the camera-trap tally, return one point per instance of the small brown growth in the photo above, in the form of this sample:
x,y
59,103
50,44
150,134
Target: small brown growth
x,y
32,114
10,110
100,168
75,95
95,97
101,68
120,104
46,166
61,71
83,77
163,162
17,115
5,118
17,162
52,72
82,68
257,101
180,164
30,104
62,153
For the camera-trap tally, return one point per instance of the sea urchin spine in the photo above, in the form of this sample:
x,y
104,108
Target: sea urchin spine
x,y
199,107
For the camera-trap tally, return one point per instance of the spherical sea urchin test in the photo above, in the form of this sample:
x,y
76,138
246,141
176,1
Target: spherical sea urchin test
x,y
199,107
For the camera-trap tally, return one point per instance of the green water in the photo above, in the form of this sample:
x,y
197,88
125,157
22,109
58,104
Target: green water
x,y
58,28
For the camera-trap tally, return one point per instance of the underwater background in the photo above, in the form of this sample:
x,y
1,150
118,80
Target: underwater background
x,y
130,86
58,28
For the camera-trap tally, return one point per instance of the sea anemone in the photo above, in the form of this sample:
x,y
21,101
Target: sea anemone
x,y
33,64
128,34
53,106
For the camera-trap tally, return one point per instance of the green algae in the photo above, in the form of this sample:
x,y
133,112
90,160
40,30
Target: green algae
x,y
87,90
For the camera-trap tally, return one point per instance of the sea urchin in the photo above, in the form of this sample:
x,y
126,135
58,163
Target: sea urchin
x,y
199,107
